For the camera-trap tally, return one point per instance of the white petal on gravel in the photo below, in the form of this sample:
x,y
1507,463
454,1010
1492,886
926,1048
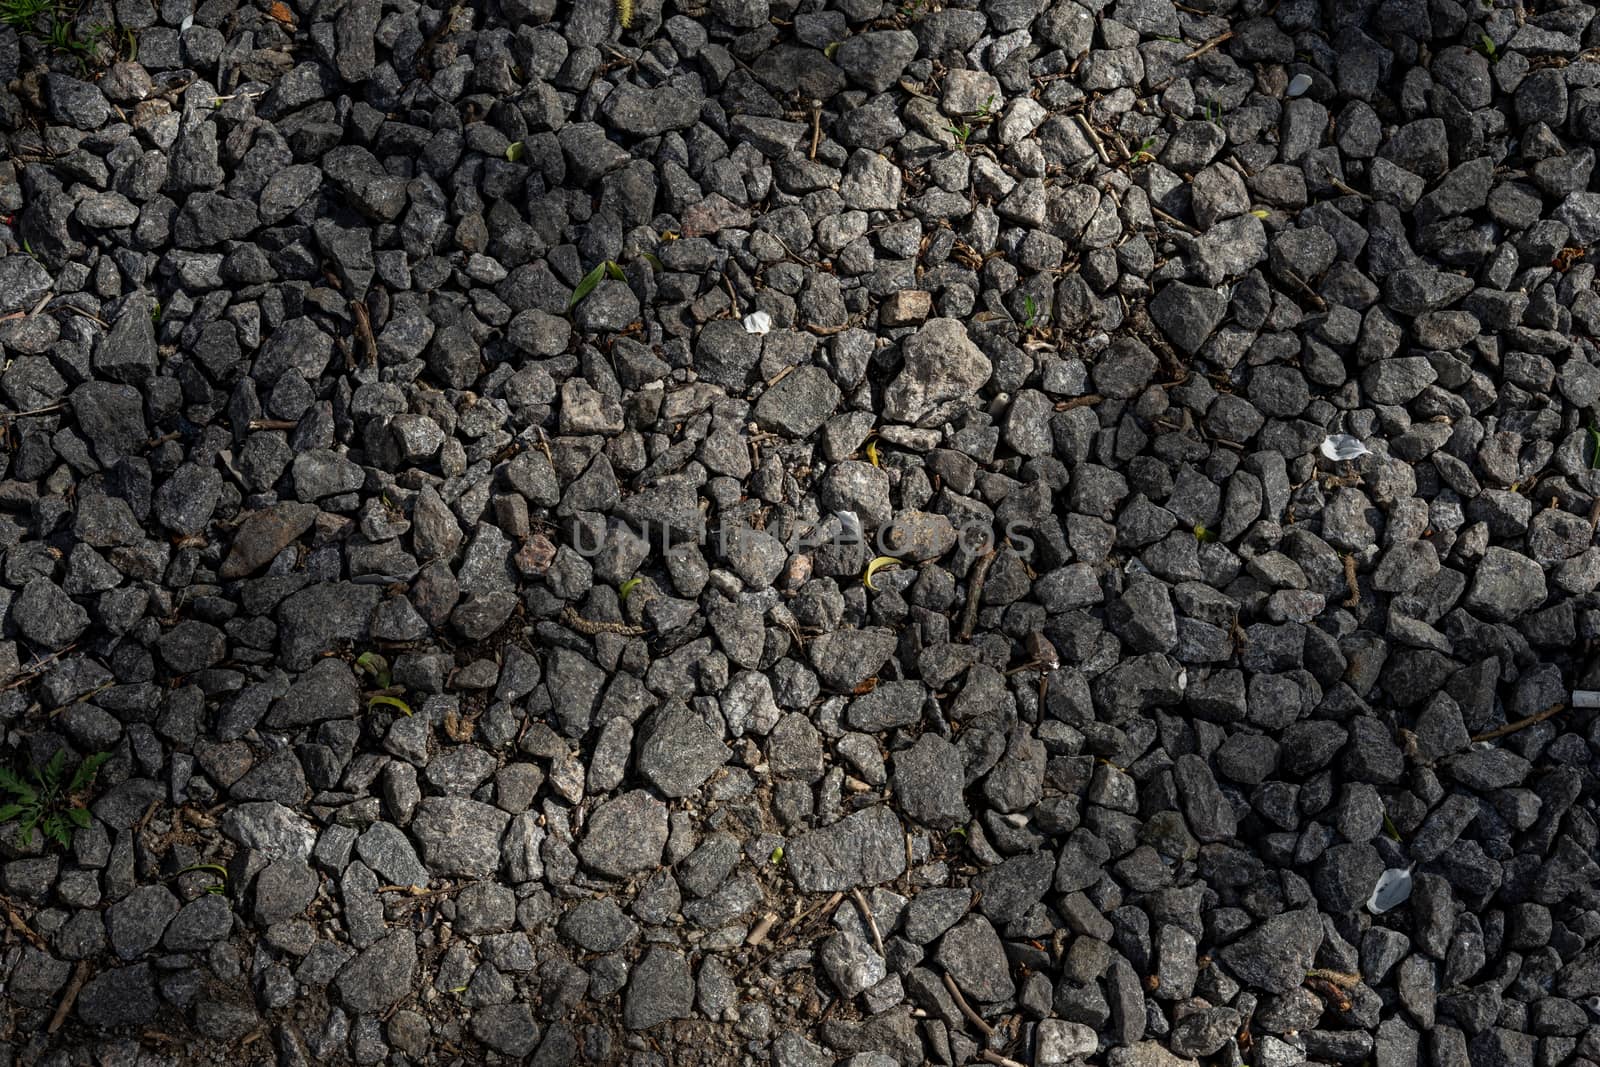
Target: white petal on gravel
x,y
1344,446
1393,888
1299,84
183,27
758,322
849,525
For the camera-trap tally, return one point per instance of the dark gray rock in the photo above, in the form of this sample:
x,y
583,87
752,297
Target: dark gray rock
x,y
660,989
625,836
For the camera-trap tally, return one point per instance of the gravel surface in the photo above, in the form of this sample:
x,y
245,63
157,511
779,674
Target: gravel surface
x,y
1040,532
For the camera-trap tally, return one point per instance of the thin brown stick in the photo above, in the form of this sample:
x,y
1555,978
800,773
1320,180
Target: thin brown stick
x,y
1080,401
1521,724
80,975
36,668
966,1009
591,627
1094,138
1220,38
23,929
872,920
272,424
989,1055
1311,294
1350,582
91,316
816,131
1184,226
46,410
980,572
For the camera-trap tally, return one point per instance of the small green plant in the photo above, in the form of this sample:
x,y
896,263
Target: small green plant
x,y
1486,46
27,247
56,806
1214,111
155,312
1202,534
215,888
514,151
22,14
776,859
1030,310
386,694
988,107
1594,445
625,13
625,590
961,133
1144,155
592,279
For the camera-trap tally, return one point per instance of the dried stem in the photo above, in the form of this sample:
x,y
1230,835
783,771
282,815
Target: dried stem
x,y
989,1055
1350,582
980,572
1220,38
966,1009
1520,724
80,975
872,920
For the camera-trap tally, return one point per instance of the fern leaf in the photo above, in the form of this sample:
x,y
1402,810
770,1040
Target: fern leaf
x,y
52,770
10,811
12,783
83,777
625,13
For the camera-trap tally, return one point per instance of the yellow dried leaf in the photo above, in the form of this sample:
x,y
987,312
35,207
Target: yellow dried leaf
x,y
878,563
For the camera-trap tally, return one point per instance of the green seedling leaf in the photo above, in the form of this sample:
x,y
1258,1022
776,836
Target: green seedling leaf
x,y
878,563
832,49
514,151
1390,828
625,590
9,812
1202,534
393,702
376,666
614,272
83,777
777,856
586,286
872,453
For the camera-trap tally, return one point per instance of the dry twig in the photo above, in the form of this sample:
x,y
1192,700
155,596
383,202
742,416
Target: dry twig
x,y
966,1009
80,975
1521,724
1221,38
980,571
872,920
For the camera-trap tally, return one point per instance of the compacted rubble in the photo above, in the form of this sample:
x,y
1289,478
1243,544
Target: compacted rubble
x,y
448,452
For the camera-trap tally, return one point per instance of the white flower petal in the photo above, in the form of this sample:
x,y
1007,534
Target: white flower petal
x,y
758,322
1344,446
1299,84
1393,888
